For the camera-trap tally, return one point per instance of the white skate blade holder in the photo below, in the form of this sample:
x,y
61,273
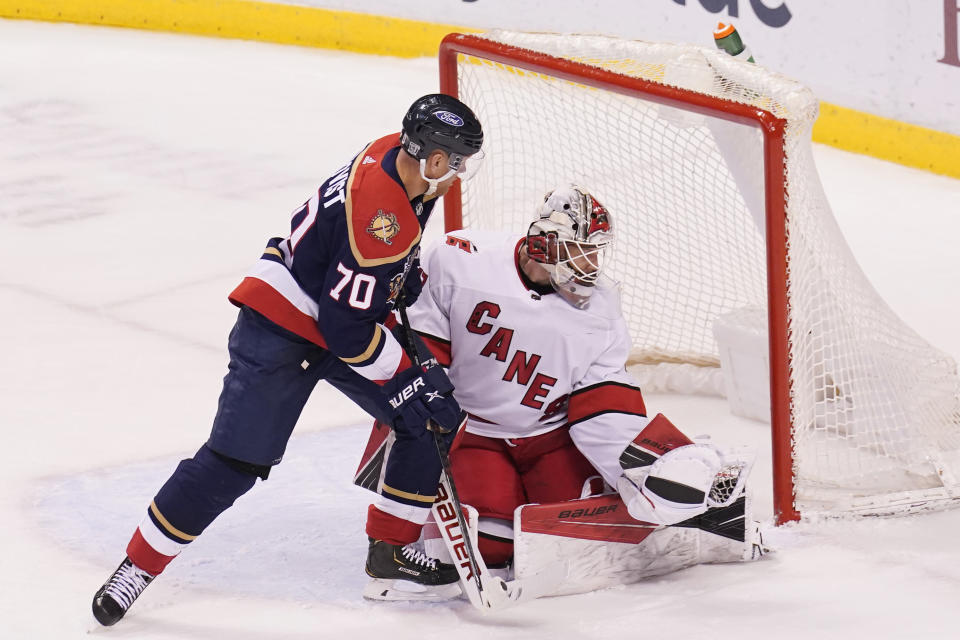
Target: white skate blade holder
x,y
404,590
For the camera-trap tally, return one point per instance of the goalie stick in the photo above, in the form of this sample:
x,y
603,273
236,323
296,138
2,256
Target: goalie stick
x,y
484,591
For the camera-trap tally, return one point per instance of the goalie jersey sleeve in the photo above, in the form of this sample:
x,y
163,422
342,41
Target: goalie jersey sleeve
x,y
606,409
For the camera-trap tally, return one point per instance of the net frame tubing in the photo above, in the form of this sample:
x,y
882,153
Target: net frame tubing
x,y
773,130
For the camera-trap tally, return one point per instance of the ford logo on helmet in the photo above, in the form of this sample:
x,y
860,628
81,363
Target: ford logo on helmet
x,y
450,118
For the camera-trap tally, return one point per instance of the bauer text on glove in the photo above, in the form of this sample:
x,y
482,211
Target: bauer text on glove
x,y
421,393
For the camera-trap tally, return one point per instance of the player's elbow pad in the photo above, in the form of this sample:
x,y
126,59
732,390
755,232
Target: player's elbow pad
x,y
672,489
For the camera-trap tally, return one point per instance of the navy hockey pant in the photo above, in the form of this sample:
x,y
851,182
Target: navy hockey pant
x,y
271,374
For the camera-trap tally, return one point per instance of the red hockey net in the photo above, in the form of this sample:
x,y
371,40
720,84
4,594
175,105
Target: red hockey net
x,y
706,164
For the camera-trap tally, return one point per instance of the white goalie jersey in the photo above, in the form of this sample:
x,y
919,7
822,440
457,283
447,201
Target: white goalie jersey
x,y
484,319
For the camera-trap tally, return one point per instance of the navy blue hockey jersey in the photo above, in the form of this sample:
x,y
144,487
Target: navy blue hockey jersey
x,y
335,278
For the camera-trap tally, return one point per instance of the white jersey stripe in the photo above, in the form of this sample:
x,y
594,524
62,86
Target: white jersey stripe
x,y
281,280
278,277
416,515
157,540
385,366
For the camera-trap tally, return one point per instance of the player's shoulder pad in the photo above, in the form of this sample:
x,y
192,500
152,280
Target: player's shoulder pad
x,y
381,224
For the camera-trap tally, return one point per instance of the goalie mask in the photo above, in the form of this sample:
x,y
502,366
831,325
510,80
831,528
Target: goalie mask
x,y
569,238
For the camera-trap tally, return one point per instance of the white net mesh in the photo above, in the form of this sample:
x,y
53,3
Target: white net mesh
x,y
875,409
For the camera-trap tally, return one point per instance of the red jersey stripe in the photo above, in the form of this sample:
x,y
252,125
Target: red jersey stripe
x,y
605,397
266,300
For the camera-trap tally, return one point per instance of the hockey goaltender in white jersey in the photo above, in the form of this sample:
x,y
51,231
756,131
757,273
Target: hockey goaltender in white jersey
x,y
536,346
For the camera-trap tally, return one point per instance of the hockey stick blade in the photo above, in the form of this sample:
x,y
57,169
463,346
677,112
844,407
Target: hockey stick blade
x,y
504,594
484,591
460,540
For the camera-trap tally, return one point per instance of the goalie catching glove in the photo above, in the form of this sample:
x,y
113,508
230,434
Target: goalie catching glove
x,y
667,478
674,488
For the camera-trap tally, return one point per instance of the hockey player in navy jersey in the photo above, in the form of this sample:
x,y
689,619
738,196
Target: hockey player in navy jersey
x,y
316,306
535,340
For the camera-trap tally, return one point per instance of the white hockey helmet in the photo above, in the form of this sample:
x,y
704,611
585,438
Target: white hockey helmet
x,y
569,238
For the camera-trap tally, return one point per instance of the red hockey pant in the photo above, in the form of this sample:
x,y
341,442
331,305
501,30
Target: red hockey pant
x,y
496,476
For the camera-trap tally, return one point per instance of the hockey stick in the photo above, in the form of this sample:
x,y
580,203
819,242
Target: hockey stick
x,y
471,568
484,591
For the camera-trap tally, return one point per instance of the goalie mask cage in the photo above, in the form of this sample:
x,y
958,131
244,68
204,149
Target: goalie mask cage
x,y
706,164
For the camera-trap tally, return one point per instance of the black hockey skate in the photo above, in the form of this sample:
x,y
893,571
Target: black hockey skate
x,y
119,591
404,573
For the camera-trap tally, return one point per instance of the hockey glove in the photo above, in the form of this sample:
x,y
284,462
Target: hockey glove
x,y
417,395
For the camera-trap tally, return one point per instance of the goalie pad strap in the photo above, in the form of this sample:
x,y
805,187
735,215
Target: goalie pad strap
x,y
495,551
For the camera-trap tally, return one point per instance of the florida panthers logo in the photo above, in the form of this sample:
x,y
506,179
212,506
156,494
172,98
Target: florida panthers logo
x,y
396,282
384,226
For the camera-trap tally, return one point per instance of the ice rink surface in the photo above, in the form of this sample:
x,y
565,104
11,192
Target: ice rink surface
x,y
140,175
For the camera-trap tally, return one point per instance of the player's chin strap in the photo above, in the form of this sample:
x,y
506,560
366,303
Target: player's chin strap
x,y
434,182
485,592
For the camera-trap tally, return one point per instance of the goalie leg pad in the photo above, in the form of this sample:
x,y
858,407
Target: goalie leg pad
x,y
729,534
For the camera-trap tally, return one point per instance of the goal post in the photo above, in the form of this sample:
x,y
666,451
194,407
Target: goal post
x,y
706,164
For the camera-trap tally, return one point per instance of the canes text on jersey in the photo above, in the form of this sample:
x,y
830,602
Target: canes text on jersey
x,y
520,368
